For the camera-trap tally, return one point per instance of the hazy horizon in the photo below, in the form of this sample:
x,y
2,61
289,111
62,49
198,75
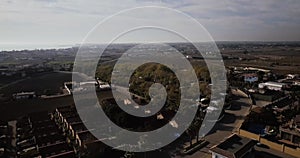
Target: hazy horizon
x,y
20,47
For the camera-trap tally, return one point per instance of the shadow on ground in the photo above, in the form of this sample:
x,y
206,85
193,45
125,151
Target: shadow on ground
x,y
263,154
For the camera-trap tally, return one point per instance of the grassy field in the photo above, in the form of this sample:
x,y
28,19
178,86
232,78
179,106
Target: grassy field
x,y
50,82
14,109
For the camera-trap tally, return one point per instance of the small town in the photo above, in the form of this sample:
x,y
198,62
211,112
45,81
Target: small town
x,y
149,79
260,116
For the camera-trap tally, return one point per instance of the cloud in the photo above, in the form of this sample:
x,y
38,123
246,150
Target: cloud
x,y
246,20
68,21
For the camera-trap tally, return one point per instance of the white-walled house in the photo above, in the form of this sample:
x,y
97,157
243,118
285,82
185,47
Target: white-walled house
x,y
24,95
272,86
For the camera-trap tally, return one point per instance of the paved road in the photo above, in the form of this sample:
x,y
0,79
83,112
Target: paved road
x,y
228,125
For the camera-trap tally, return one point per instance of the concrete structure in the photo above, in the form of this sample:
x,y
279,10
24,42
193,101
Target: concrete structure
x,y
290,133
103,85
292,76
24,95
3,138
272,86
290,136
282,104
69,86
273,145
84,143
233,147
38,136
256,69
86,86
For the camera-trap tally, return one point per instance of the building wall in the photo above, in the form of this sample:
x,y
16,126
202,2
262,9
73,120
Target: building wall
x,y
296,140
290,137
249,134
275,88
271,87
291,151
272,145
216,155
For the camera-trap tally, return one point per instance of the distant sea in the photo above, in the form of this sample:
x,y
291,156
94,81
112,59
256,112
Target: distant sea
x,y
17,47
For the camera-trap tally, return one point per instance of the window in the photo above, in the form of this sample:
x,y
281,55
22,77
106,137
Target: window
x,y
296,139
286,136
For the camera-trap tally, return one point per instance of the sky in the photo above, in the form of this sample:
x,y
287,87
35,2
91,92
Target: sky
x,y
69,21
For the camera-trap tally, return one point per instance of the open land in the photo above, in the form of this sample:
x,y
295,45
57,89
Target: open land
x,y
47,71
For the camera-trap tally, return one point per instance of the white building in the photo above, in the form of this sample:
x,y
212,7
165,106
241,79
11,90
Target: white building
x,y
272,86
292,76
85,86
104,86
24,95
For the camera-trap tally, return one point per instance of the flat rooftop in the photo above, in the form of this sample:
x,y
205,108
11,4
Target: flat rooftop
x,y
234,146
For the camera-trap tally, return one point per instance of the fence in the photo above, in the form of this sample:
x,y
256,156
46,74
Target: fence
x,y
272,145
